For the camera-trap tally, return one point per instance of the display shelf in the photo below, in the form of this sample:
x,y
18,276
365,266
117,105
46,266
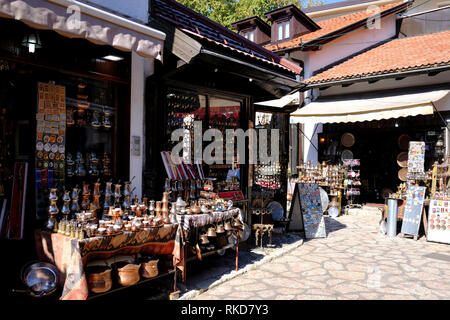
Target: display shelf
x,y
117,287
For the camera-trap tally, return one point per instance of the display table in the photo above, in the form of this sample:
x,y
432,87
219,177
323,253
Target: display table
x,y
188,223
71,255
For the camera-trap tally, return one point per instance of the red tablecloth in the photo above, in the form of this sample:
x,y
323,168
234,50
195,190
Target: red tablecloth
x,y
71,255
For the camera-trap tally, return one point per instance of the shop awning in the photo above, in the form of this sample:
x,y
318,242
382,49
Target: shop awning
x,y
287,100
373,106
96,25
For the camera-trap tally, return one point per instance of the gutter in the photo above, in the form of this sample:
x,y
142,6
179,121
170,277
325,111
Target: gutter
x,y
377,77
402,16
112,18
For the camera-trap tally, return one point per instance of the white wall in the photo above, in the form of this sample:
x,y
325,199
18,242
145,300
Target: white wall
x,y
141,68
330,53
351,43
134,8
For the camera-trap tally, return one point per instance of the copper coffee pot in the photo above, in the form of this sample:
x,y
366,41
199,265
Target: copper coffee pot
x,y
158,208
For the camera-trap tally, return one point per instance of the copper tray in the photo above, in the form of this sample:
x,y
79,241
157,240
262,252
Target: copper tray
x,y
402,159
347,139
402,174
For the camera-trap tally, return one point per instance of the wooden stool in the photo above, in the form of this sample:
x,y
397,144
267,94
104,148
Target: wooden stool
x,y
260,229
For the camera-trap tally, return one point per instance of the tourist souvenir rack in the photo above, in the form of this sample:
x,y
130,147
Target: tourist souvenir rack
x,y
352,182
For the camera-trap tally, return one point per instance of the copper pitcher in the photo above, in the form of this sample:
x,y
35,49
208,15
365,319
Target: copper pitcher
x,y
158,208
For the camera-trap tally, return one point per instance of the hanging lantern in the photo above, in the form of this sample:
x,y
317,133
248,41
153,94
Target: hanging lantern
x,y
32,41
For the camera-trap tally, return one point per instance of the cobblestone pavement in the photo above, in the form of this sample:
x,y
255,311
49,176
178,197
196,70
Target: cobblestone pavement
x,y
354,262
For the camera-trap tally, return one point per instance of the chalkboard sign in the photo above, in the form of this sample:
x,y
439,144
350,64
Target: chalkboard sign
x,y
413,210
307,199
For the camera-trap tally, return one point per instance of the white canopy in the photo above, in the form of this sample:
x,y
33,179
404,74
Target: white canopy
x,y
288,100
95,25
372,106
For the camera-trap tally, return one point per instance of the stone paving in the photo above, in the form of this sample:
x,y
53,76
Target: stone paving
x,y
355,261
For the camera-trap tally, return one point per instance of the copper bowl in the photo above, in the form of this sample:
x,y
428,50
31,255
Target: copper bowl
x,y
127,272
149,267
99,278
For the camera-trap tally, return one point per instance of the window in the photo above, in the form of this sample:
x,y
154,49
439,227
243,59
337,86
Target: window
x,y
250,35
283,30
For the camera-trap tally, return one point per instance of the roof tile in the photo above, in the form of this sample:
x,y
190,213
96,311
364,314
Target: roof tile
x,y
397,55
328,26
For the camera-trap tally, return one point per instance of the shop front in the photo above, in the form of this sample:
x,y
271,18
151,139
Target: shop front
x,y
66,96
375,129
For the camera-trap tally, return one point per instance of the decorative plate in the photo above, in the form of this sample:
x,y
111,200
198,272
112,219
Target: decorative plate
x,y
277,210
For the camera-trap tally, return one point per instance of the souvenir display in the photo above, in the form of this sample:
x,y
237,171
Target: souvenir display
x,y
311,210
439,218
412,215
416,157
325,175
352,182
50,140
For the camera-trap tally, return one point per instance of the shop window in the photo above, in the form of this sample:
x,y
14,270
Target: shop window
x,y
183,108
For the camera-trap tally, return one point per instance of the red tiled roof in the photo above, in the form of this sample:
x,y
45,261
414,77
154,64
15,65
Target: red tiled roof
x,y
202,28
330,26
414,53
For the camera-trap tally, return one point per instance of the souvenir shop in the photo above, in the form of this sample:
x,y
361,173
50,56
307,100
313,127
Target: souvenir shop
x,y
60,127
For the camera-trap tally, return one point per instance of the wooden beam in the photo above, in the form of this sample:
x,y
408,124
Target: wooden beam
x,y
178,42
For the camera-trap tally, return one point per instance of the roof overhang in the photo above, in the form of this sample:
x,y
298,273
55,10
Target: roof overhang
x,y
376,77
96,25
374,105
